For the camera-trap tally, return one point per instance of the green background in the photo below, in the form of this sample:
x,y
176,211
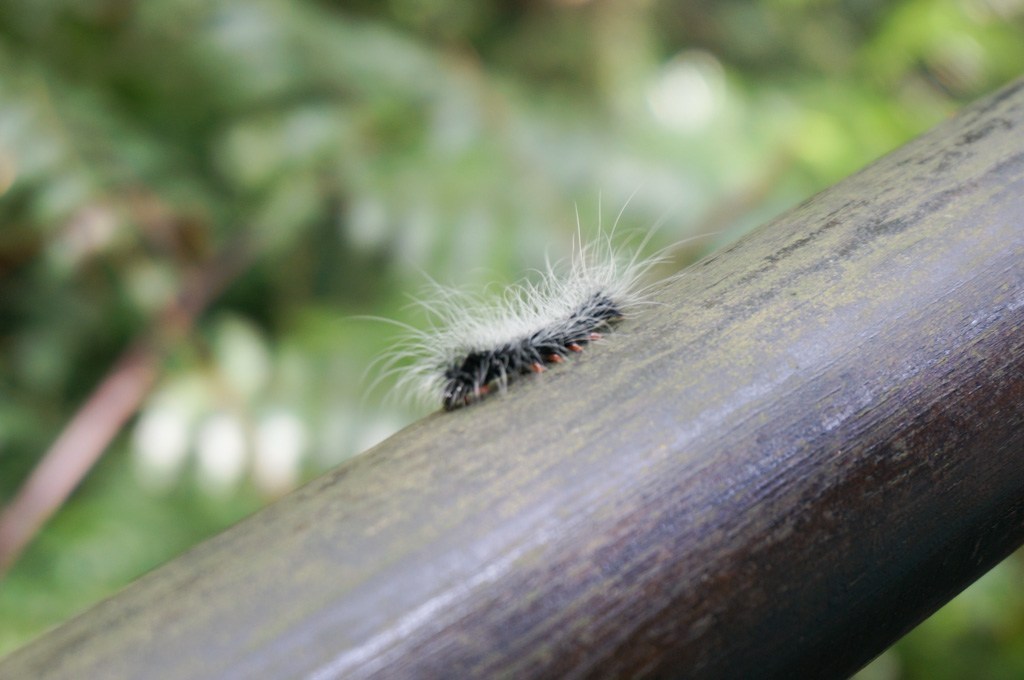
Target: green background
x,y
362,148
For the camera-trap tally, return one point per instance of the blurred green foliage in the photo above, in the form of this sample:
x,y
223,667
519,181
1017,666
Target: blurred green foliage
x,y
360,145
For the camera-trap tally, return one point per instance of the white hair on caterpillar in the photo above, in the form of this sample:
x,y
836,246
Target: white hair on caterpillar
x,y
476,344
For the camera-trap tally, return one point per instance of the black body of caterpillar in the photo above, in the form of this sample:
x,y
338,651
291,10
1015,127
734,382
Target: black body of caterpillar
x,y
469,378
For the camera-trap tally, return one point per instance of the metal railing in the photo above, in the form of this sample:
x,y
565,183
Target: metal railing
x,y
815,441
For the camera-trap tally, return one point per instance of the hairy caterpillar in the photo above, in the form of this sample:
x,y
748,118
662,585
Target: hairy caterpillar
x,y
476,345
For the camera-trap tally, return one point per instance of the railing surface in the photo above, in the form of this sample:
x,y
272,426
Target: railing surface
x,y
816,441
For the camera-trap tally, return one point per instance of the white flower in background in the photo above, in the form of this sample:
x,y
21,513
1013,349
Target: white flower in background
x,y
280,443
221,453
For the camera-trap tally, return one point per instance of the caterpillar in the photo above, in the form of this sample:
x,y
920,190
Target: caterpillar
x,y
476,345
468,376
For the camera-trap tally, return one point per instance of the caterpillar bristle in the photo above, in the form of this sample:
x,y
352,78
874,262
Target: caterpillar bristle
x,y
476,345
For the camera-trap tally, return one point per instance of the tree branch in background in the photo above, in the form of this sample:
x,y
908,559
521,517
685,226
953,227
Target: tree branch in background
x,y
89,433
